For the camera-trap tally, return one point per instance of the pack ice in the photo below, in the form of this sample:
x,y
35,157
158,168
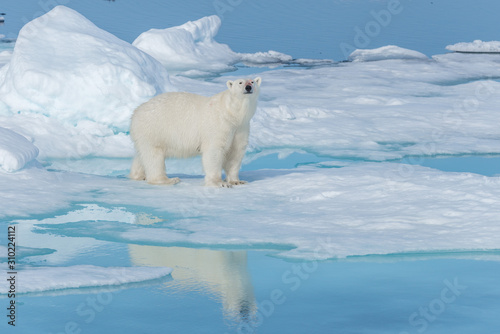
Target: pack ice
x,y
395,105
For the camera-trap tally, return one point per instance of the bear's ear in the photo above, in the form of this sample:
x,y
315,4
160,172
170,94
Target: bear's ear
x,y
229,84
258,80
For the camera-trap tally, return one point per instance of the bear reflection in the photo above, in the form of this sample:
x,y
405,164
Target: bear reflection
x,y
222,273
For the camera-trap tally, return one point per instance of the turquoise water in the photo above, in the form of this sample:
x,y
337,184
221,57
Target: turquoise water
x,y
484,165
258,293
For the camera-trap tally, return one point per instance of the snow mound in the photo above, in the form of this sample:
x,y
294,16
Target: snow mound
x,y
15,150
81,276
477,46
191,50
65,67
384,53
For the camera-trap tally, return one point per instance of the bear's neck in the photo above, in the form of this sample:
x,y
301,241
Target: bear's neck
x,y
240,110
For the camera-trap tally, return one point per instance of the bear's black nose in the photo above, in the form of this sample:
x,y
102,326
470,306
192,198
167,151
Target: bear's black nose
x,y
248,88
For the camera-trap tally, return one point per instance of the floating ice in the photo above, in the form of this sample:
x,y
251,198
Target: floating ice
x,y
384,53
307,213
65,67
15,150
190,49
477,46
190,46
38,279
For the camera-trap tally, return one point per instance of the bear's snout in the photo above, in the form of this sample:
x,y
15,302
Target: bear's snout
x,y
248,89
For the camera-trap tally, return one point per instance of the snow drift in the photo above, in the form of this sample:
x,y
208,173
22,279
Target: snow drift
x,y
65,67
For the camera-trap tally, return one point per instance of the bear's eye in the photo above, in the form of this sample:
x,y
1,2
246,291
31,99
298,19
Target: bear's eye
x,y
241,82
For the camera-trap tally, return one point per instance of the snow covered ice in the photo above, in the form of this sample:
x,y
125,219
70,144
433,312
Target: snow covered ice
x,y
359,209
68,89
189,47
477,46
384,53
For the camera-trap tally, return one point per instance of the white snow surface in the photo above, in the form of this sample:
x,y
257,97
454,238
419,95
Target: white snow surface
x,y
15,150
191,49
477,46
384,53
65,67
39,279
313,212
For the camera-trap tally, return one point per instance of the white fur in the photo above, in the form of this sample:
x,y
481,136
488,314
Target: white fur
x,y
183,125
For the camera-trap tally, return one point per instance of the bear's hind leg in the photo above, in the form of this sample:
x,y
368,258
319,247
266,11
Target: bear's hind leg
x,y
154,166
137,170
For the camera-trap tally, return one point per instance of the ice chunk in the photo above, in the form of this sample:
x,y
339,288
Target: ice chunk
x,y
65,67
477,46
385,52
189,46
191,50
270,57
15,150
39,279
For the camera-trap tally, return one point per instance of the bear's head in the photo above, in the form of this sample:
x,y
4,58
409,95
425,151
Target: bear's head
x,y
245,87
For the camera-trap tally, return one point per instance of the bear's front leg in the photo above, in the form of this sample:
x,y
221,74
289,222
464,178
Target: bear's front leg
x,y
212,165
234,157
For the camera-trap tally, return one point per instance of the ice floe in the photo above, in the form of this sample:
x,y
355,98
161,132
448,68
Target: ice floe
x,y
38,279
189,46
384,53
308,213
191,50
477,46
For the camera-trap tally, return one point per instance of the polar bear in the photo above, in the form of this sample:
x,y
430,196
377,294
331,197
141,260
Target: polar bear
x,y
182,125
